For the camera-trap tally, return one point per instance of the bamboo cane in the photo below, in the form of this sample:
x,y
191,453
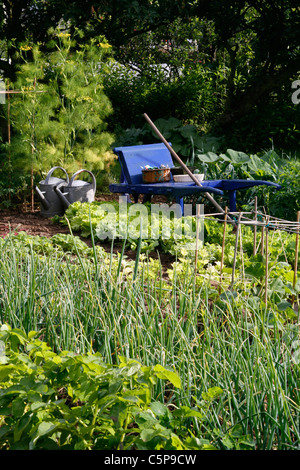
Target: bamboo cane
x,y
9,92
242,254
267,262
186,169
9,142
296,252
197,234
32,156
236,247
262,240
255,229
223,248
296,257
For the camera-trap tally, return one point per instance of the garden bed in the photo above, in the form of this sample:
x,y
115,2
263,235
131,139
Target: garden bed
x,y
33,223
76,306
22,219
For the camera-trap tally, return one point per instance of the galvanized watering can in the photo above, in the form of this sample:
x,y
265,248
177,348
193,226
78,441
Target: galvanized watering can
x,y
76,190
50,203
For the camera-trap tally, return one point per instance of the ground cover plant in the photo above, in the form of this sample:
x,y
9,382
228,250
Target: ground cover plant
x,y
234,356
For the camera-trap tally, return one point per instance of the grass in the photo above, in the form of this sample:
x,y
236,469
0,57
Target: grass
x,y
117,307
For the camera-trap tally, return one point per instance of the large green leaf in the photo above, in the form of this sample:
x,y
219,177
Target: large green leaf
x,y
163,373
259,167
167,126
235,157
209,157
6,370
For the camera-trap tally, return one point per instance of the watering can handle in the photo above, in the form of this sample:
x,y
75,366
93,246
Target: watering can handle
x,y
52,170
80,171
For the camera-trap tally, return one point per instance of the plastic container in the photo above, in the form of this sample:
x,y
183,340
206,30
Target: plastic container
x,y
187,178
177,170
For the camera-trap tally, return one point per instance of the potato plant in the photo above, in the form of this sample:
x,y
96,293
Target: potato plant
x,y
66,401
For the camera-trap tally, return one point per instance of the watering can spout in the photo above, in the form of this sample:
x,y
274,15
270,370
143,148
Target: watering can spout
x,y
62,197
42,198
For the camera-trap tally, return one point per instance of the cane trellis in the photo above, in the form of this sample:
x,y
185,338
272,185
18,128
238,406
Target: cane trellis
x,y
263,220
256,219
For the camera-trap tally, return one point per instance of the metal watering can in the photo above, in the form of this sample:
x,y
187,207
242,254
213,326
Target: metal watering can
x,y
50,203
76,190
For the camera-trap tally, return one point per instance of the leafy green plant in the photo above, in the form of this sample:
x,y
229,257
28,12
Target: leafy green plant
x,y
268,165
235,164
287,203
95,219
185,138
61,400
92,220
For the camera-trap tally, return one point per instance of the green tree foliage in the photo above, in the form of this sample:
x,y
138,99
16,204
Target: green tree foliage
x,y
59,116
23,20
165,73
246,58
262,40
237,80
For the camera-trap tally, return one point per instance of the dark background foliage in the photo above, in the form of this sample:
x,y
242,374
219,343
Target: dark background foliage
x,y
226,68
